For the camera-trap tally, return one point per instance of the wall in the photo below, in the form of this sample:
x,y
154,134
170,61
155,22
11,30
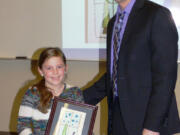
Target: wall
x,y
27,25
16,76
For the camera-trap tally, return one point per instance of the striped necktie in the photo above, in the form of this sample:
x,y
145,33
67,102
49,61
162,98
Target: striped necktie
x,y
116,48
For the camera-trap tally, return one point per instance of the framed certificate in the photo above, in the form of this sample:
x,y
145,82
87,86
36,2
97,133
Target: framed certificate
x,y
68,117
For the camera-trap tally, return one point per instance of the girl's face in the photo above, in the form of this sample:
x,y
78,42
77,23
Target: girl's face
x,y
53,70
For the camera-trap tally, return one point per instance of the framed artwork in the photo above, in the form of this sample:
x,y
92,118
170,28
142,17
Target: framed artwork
x,y
68,117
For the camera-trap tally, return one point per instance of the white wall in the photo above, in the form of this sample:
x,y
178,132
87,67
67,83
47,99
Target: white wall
x,y
27,25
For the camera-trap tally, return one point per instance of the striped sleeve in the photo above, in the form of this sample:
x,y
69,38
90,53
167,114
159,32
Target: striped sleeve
x,y
25,114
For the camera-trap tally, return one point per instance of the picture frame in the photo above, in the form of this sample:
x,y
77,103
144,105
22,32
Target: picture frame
x,y
69,117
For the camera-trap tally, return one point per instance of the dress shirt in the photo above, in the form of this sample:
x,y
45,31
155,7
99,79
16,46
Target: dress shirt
x,y
127,11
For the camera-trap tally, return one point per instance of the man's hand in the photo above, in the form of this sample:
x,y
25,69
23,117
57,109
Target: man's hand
x,y
149,132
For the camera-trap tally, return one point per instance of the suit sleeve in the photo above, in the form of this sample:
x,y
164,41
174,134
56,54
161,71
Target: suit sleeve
x,y
96,92
164,47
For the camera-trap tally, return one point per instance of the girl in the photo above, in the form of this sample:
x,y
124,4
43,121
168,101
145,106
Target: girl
x,y
37,101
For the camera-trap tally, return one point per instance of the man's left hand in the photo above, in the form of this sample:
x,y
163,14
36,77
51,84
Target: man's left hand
x,y
149,132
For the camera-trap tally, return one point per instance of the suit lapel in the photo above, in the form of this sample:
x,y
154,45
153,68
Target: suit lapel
x,y
110,33
128,30
129,26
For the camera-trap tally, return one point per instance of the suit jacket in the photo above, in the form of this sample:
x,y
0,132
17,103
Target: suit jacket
x,y
147,71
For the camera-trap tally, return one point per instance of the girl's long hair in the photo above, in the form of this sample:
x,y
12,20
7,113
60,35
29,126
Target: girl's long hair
x,y
44,93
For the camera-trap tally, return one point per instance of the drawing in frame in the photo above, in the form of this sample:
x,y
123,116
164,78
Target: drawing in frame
x,y
69,117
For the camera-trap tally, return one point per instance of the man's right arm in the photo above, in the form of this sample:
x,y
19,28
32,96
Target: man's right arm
x,y
96,92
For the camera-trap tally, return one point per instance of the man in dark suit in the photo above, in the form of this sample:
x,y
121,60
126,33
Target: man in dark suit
x,y
140,87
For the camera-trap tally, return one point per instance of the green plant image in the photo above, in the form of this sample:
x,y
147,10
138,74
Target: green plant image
x,y
108,5
65,129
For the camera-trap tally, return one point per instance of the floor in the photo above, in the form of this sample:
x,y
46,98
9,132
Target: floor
x,y
7,133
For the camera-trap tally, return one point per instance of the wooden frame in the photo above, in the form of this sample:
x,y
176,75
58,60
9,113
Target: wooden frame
x,y
68,117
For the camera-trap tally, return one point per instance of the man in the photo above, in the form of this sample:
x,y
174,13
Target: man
x,y
141,71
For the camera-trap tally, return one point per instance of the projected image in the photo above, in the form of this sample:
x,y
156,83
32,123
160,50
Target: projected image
x,y
174,7
88,30
98,13
161,2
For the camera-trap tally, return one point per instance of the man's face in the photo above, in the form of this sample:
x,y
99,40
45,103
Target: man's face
x,y
123,3
119,1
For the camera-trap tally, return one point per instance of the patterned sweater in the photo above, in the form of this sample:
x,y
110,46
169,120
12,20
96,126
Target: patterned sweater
x,y
33,122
